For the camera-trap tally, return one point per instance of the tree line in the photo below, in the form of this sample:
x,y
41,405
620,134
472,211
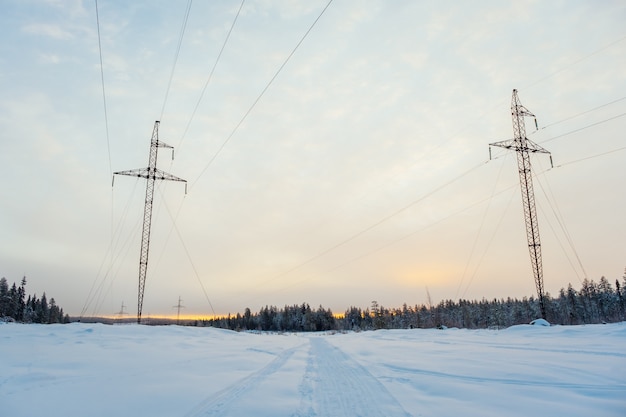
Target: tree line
x,y
15,306
594,302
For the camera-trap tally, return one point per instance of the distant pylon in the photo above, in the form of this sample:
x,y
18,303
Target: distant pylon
x,y
178,306
523,146
121,313
151,174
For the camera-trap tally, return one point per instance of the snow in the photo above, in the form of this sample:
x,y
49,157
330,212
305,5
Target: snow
x,y
129,370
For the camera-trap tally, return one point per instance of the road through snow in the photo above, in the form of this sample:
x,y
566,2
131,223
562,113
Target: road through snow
x,y
336,385
332,384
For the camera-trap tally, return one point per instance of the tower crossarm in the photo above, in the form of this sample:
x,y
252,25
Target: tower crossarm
x,y
514,144
148,173
162,144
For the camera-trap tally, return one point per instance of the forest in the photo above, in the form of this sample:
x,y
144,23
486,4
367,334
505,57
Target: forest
x,y
14,306
594,302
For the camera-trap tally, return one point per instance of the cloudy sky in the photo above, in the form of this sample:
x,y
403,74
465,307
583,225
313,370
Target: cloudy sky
x,y
335,153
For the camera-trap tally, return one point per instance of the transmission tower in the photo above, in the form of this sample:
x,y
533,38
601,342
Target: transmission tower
x,y
178,306
121,313
151,174
524,147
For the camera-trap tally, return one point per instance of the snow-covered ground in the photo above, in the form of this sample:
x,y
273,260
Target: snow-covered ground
x,y
130,370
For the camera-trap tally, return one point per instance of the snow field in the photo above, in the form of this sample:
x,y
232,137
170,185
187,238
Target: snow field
x,y
129,370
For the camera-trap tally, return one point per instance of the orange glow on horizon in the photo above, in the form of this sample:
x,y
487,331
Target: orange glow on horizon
x,y
182,317
171,317
430,275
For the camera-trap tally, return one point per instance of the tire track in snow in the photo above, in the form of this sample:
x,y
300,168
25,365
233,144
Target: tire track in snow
x,y
219,403
336,385
500,381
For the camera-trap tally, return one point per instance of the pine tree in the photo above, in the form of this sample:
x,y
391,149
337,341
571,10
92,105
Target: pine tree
x,y
13,301
5,299
43,313
53,316
21,300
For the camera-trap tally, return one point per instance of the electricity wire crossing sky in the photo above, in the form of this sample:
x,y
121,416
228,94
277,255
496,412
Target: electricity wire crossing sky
x,y
336,152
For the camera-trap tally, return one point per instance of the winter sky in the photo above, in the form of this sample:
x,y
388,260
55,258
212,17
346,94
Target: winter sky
x,y
338,154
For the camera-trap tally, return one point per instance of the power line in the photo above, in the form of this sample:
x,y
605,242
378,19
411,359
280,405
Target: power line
x,y
579,114
591,157
490,241
180,41
174,219
211,74
597,51
98,298
377,223
219,150
193,266
91,296
559,219
408,235
584,127
412,233
106,118
104,97
480,228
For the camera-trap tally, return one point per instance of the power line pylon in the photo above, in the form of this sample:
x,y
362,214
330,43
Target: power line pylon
x,y
178,306
151,174
121,313
524,147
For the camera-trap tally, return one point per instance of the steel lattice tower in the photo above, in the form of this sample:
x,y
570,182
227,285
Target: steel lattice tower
x,y
524,147
151,174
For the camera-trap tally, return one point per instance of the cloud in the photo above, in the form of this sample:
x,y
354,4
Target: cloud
x,y
48,30
49,59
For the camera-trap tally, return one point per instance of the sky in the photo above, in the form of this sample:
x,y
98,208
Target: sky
x,y
336,153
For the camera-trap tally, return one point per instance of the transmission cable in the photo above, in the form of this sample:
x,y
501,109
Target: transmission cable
x,y
91,296
490,241
96,296
193,266
559,219
219,150
106,120
578,114
193,113
401,238
597,51
591,157
584,127
480,228
377,223
180,41
175,219
104,97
